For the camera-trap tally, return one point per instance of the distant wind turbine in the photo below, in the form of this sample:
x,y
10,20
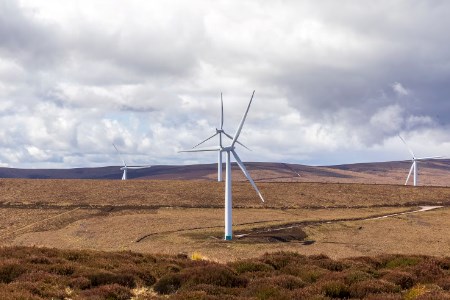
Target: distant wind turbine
x,y
219,132
125,168
230,150
414,166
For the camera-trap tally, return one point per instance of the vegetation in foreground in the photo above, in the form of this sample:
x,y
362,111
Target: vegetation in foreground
x,y
42,273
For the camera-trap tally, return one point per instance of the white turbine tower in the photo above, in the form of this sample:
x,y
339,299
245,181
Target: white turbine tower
x,y
230,150
125,168
219,132
414,166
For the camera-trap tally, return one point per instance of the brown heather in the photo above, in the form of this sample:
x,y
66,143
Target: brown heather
x,y
42,273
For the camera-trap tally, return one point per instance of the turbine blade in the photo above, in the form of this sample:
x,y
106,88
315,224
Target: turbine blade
x,y
205,140
430,157
221,111
138,167
409,175
119,155
231,138
216,148
407,147
238,131
244,170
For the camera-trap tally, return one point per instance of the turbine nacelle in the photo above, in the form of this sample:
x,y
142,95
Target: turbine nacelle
x,y
226,149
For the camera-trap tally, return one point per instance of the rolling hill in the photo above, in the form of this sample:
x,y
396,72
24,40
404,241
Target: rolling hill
x,y
435,172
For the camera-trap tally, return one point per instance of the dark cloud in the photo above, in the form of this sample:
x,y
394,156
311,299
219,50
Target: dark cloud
x,y
335,81
22,38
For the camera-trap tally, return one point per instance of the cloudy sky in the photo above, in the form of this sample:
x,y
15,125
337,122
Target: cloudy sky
x,y
335,81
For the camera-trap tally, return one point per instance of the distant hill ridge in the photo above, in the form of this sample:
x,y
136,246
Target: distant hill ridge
x,y
436,172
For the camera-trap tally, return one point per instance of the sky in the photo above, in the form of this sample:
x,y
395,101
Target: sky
x,y
336,81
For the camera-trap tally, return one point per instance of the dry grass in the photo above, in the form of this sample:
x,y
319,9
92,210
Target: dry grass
x,y
174,217
171,193
172,231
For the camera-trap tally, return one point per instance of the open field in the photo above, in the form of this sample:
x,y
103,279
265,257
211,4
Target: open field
x,y
209,194
173,217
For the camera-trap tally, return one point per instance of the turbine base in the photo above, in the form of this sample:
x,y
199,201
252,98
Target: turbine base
x,y
228,238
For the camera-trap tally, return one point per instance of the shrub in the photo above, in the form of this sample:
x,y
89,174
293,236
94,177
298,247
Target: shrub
x,y
424,292
76,256
272,287
168,284
371,262
42,289
444,263
173,268
212,290
330,265
327,263
363,288
247,266
356,276
397,261
143,275
288,282
428,271
263,290
80,282
147,278
61,269
214,274
10,271
444,283
195,295
41,260
104,278
279,260
310,293
306,272
384,297
318,256
109,292
434,295
41,277
335,289
198,256
13,292
403,279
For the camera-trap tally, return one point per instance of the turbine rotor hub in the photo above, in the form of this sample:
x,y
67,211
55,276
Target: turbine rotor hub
x,y
227,149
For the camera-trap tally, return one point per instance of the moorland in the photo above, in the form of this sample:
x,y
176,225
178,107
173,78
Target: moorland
x,y
328,228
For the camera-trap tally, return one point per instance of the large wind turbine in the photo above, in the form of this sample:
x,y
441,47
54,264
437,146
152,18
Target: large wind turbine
x,y
230,150
414,166
219,132
125,168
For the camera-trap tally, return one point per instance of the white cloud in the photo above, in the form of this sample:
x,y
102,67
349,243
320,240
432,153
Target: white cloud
x,y
388,119
335,81
399,89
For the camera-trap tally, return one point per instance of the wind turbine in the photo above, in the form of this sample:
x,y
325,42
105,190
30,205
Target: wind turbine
x,y
230,150
219,132
125,168
414,166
